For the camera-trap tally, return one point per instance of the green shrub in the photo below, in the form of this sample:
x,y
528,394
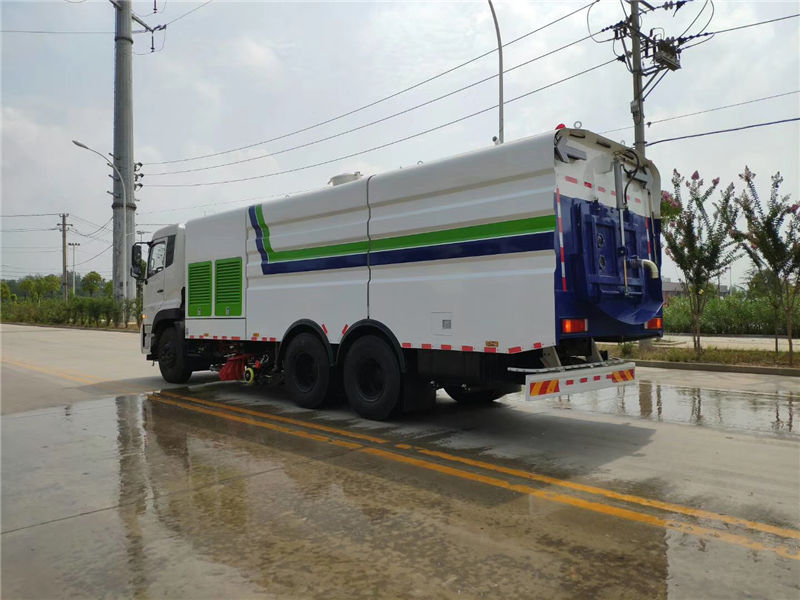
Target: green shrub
x,y
735,315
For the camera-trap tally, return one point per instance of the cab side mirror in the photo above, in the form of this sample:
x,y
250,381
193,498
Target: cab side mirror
x,y
137,270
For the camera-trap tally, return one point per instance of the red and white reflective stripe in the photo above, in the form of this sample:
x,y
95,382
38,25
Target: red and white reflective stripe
x,y
570,179
449,347
649,246
325,329
561,239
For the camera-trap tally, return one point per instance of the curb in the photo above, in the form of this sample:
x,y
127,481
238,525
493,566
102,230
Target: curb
x,y
720,368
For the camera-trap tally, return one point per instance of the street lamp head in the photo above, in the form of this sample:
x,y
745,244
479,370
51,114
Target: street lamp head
x,y
80,144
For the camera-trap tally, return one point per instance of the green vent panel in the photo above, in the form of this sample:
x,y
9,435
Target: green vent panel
x,y
199,289
228,280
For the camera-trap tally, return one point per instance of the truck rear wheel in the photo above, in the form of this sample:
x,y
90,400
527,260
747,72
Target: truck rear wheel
x,y
479,394
372,379
171,359
307,371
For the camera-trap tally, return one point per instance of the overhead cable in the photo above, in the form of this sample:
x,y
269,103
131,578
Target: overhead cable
x,y
387,144
371,123
702,112
375,102
743,127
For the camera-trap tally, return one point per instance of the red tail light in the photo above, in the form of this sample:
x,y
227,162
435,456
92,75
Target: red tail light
x,y
574,325
657,323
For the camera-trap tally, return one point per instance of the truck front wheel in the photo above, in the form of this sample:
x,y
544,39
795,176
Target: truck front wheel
x,y
372,378
307,371
171,359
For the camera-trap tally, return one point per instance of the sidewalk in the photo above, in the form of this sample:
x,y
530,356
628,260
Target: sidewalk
x,y
734,343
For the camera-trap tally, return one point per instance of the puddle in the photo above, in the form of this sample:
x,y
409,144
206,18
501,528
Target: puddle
x,y
723,409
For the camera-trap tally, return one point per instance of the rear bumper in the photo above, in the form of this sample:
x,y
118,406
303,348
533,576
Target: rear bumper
x,y
548,383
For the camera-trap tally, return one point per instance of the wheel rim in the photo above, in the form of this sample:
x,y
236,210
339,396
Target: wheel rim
x,y
371,379
306,372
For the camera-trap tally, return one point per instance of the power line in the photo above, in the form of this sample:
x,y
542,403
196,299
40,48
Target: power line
x,y
83,262
702,112
31,215
386,145
695,135
380,100
27,230
371,123
186,14
240,201
50,31
681,40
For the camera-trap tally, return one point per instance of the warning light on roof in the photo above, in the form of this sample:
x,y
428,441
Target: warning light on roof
x,y
560,126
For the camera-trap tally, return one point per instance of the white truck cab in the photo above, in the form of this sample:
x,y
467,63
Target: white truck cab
x,y
164,283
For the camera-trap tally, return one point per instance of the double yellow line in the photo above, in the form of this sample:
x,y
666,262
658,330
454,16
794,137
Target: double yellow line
x,y
418,457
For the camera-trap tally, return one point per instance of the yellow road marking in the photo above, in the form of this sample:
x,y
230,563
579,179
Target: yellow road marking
x,y
81,378
605,509
588,489
247,411
272,426
666,506
622,513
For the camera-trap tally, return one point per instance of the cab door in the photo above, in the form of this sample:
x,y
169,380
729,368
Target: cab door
x,y
155,282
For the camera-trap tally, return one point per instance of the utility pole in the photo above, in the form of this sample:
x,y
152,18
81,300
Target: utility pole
x,y
662,54
63,227
637,105
73,244
123,205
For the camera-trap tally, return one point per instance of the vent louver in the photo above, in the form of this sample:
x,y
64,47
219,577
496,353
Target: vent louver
x,y
199,304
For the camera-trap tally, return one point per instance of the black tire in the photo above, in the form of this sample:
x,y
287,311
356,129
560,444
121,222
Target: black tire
x,y
479,394
171,359
307,371
372,379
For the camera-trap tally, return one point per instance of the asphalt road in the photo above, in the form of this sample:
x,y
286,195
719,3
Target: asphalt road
x,y
685,485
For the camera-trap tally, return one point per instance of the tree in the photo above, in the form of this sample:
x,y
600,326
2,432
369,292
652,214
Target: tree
x,y
91,282
698,244
29,287
771,240
49,285
108,289
5,292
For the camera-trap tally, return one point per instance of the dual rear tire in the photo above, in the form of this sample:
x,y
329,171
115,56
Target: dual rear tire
x,y
373,382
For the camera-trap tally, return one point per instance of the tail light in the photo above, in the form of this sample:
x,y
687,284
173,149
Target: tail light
x,y
574,325
657,323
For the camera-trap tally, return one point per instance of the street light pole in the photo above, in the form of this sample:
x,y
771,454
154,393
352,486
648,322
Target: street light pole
x,y
73,244
500,74
123,241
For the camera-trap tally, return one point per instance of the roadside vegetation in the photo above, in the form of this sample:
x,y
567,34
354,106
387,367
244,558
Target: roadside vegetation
x,y
725,356
37,299
703,243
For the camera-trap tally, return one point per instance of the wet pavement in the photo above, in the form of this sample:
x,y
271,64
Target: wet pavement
x,y
217,490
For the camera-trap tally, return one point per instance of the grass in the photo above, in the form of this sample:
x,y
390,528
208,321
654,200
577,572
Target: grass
x,y
725,356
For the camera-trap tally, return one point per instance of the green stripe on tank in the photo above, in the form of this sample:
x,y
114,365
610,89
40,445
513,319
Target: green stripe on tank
x,y
414,240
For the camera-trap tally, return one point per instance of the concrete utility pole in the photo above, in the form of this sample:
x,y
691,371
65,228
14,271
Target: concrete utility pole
x,y
63,227
123,205
73,244
637,105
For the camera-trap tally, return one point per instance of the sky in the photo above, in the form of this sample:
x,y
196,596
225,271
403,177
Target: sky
x,y
233,74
